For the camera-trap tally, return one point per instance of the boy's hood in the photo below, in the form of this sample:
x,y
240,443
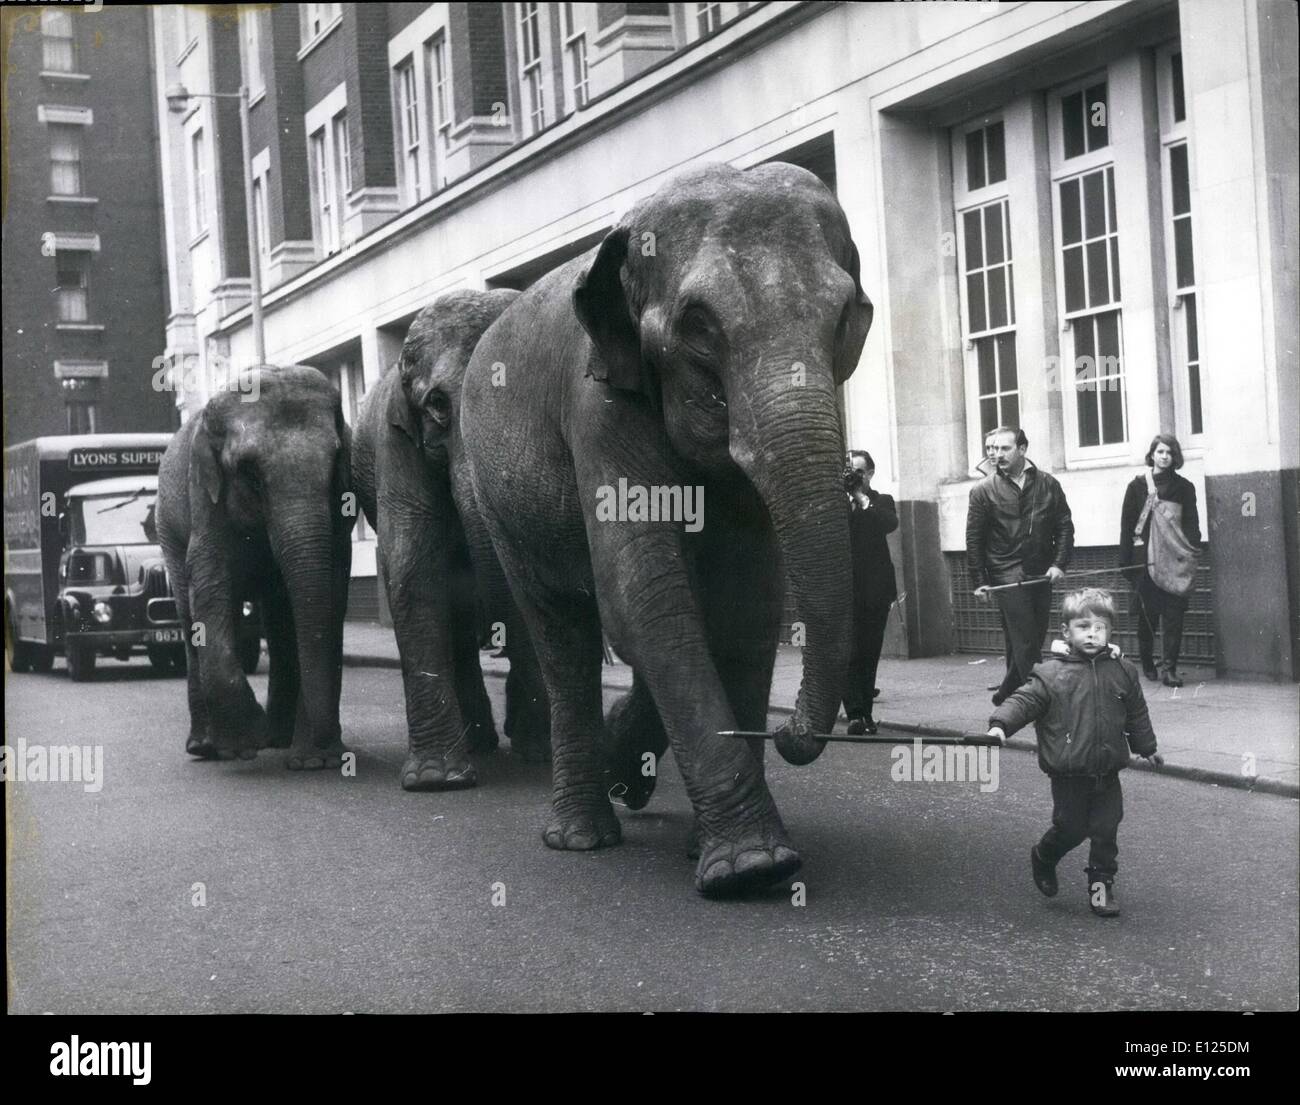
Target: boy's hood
x,y
1061,651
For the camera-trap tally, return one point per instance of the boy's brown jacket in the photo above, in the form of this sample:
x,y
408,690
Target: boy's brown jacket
x,y
1087,713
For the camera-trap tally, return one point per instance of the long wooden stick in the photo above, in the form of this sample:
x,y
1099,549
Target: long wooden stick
x,y
866,738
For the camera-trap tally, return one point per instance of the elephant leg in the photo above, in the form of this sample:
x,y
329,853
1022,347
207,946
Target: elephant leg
x,y
283,686
657,623
199,741
475,707
635,744
565,627
236,723
412,551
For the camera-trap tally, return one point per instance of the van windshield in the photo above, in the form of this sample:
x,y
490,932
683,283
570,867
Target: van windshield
x,y
125,519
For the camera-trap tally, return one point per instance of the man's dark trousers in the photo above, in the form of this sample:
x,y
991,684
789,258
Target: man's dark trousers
x,y
869,625
1025,611
1085,807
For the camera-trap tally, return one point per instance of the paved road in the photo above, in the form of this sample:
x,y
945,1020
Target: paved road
x,y
331,894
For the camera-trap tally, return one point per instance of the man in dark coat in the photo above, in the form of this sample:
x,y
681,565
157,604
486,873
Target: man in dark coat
x,y
1018,526
872,515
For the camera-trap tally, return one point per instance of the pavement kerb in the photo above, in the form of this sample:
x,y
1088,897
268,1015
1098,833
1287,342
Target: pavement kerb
x,y
1255,784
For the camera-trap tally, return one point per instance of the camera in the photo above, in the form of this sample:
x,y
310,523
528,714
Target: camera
x,y
852,478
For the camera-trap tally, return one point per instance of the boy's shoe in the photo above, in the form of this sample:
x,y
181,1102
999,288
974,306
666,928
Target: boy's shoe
x,y
1044,873
1171,679
1101,898
857,725
875,692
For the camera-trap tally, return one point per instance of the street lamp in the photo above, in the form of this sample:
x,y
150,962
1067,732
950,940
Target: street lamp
x,y
178,97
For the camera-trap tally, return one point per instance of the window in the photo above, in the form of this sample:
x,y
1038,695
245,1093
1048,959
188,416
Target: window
x,y
79,401
342,155
198,184
323,194
708,18
575,48
1090,270
409,124
441,82
1184,324
259,215
71,279
316,19
59,46
531,53
65,160
250,22
1083,120
987,284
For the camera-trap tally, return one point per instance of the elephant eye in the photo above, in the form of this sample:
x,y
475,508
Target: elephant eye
x,y
439,407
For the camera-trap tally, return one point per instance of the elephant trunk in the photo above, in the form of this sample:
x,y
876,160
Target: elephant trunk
x,y
796,462
303,542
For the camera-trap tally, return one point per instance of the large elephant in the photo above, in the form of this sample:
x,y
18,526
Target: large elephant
x,y
255,503
413,482
696,350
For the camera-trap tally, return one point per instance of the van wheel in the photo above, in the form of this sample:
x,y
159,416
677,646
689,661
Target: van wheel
x,y
17,655
42,658
167,659
81,661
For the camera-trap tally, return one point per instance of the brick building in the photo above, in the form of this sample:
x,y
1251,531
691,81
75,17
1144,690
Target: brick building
x,y
83,260
1001,166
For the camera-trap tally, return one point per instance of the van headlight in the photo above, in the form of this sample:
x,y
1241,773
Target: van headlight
x,y
102,612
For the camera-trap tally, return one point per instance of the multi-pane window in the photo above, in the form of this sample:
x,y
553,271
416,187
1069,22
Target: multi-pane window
x,y
1184,321
441,77
986,156
249,22
65,160
342,155
71,282
58,44
1084,125
79,401
708,18
316,18
987,284
323,193
409,127
991,312
198,184
259,215
531,54
1089,246
575,48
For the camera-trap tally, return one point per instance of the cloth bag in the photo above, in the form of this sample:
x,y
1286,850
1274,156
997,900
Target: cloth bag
x,y
1171,558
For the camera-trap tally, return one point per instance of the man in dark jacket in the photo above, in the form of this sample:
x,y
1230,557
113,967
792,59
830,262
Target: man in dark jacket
x,y
1018,527
1088,710
872,515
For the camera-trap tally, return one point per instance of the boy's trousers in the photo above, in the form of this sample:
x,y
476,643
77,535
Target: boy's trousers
x,y
1085,807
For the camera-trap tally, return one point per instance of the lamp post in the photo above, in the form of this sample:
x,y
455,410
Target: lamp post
x,y
178,96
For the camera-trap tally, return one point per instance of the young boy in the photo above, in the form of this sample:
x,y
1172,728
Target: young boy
x,y
1084,703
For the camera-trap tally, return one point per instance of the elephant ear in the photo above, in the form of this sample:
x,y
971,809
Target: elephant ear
x,y
343,458
205,458
399,412
601,305
852,333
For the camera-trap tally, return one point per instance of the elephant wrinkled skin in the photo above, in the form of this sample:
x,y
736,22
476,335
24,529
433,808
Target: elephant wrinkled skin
x,y
698,347
254,502
437,561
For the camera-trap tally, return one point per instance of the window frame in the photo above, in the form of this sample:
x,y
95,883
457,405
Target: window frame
x,y
410,145
251,52
78,262
577,70
73,132
62,18
531,73
198,171
326,216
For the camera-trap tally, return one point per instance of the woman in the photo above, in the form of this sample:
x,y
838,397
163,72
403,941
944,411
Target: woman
x,y
1153,605
872,515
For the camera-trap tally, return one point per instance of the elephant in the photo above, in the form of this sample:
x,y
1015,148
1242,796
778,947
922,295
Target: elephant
x,y
697,349
413,484
255,503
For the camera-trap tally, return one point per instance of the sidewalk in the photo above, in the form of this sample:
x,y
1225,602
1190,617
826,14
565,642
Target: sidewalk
x,y
1219,731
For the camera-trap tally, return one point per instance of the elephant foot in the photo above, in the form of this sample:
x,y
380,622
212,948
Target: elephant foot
x,y
531,750
432,772
315,759
636,741
729,868
483,738
280,737
584,832
200,746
